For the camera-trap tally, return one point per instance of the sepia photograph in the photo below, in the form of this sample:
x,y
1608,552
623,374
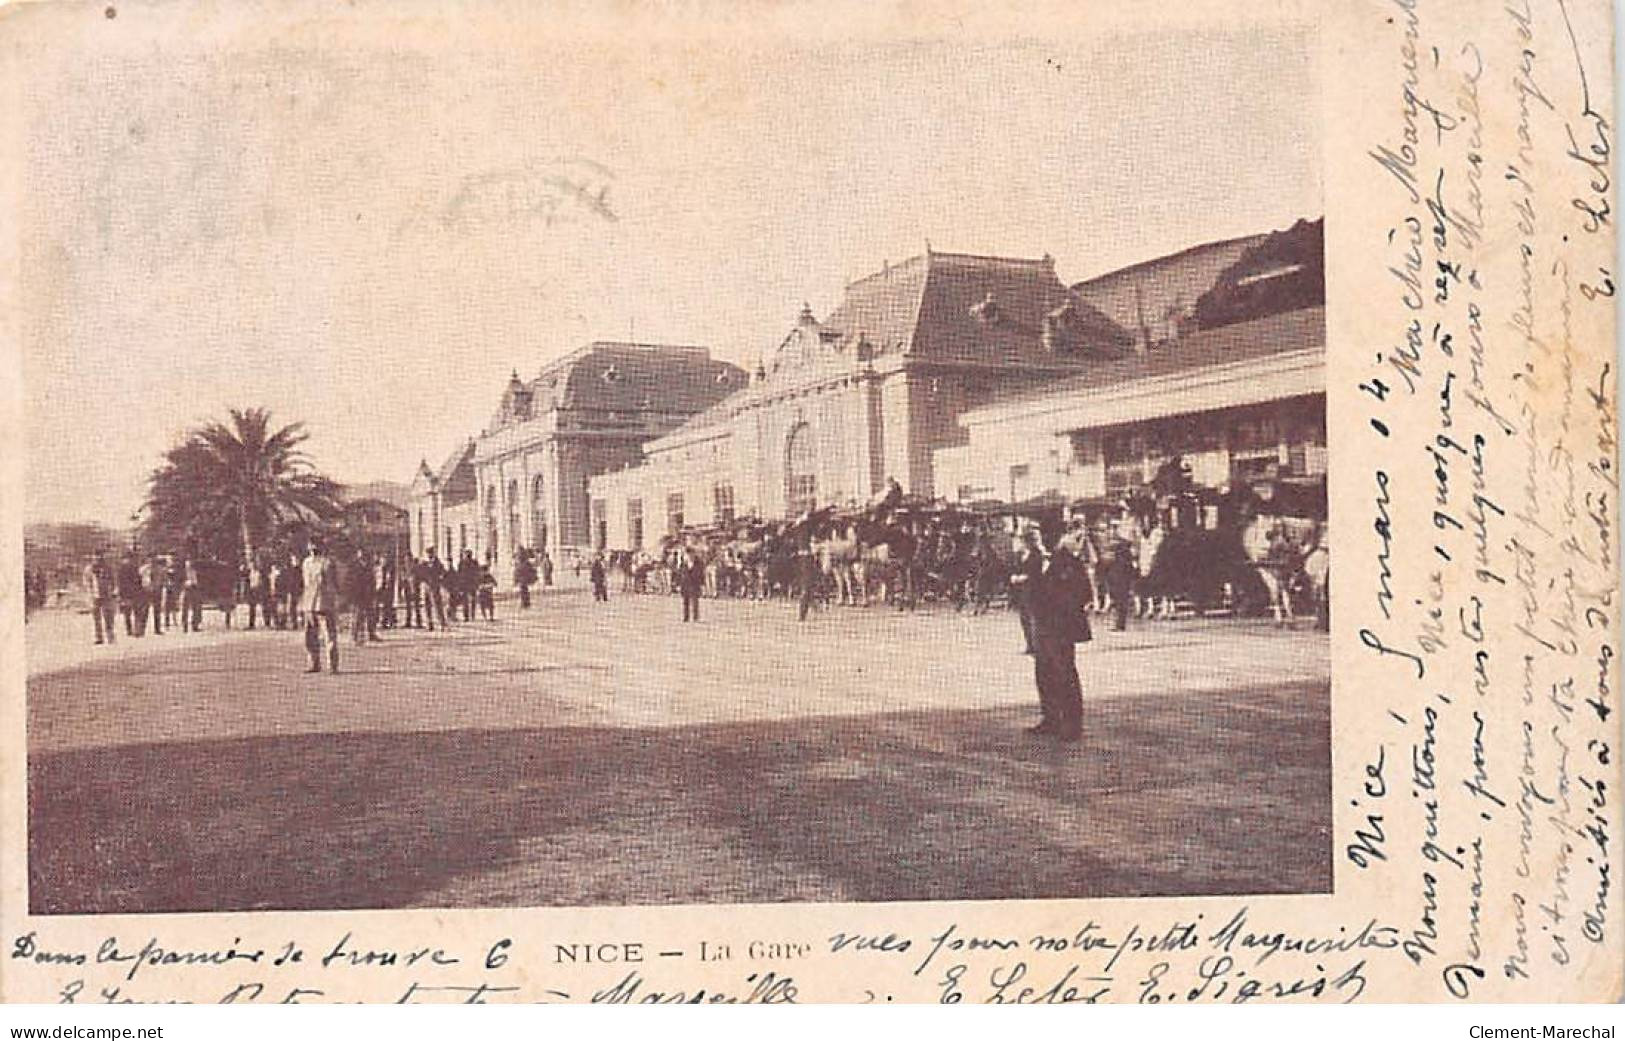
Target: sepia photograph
x,y
533,477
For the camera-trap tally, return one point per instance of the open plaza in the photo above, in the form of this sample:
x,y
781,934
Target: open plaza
x,y
579,753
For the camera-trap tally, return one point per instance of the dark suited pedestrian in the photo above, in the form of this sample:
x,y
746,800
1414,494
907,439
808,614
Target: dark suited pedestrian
x,y
690,582
1120,574
363,596
808,577
411,594
1029,563
1058,597
468,583
524,576
486,594
129,592
432,577
600,579
387,578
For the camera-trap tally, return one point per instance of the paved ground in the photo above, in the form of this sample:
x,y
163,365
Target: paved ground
x,y
583,753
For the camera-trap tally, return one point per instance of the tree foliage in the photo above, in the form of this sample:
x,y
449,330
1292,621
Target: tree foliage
x,y
230,489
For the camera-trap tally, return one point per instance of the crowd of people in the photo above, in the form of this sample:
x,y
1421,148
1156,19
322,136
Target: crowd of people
x,y
1144,560
1123,560
305,590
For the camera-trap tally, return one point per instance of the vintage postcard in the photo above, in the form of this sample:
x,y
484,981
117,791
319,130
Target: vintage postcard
x,y
809,502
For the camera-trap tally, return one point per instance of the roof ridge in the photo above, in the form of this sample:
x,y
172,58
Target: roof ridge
x,y
1035,262
1214,244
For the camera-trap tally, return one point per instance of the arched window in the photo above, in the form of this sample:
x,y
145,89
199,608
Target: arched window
x,y
800,470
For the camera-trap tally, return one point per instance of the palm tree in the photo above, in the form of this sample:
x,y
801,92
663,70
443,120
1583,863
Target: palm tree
x,y
228,488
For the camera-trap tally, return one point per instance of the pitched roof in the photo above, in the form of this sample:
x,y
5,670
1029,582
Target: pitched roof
x,y
603,376
1284,333
624,377
941,307
965,306
448,469
994,308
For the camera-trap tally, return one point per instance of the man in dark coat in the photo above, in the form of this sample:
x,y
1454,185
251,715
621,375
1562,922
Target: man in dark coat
x,y
524,576
600,580
468,583
1057,597
1029,562
690,581
1120,574
131,595
432,575
809,575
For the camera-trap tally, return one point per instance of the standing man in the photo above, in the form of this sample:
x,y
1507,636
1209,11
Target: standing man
x,y
690,581
547,569
1121,571
174,579
296,592
1057,598
103,594
432,577
807,576
152,587
320,604
468,583
524,576
258,593
486,594
130,594
600,581
385,576
363,596
191,598
1029,563
411,604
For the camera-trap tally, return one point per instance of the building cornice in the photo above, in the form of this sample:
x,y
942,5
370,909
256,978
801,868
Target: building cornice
x,y
1255,380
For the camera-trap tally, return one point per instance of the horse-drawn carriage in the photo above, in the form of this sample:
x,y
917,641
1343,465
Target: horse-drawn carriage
x,y
1249,550
1240,551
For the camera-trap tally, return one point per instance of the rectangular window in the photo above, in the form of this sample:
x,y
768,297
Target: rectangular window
x,y
722,503
600,523
1256,448
1124,455
634,523
674,514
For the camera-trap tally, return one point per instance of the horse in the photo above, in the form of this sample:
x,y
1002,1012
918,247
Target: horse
x,y
1274,547
838,553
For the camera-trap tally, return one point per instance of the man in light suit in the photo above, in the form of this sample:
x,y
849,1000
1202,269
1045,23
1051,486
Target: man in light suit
x,y
320,604
1056,598
103,587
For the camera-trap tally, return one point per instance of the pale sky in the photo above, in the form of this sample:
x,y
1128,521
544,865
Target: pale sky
x,y
371,242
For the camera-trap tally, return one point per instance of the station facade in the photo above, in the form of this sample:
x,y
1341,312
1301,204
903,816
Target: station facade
x,y
961,377
868,394
522,482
